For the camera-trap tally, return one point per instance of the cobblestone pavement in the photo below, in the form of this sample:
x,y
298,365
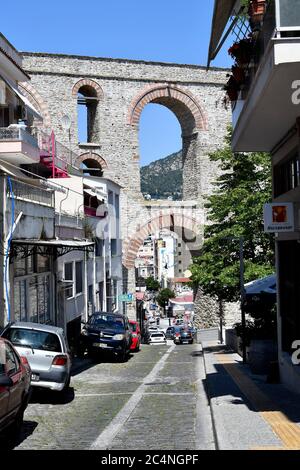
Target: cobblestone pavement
x,y
156,400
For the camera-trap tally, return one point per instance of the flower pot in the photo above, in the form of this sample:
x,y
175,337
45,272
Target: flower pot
x,y
261,353
257,9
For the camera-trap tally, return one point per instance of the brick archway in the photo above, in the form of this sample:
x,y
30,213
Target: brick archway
x,y
37,101
166,221
87,82
91,156
179,100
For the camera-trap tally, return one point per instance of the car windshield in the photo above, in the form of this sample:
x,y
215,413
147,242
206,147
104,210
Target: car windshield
x,y
157,335
132,326
107,321
35,339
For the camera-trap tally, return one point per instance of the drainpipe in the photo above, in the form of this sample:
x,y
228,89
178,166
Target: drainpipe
x,y
6,250
60,204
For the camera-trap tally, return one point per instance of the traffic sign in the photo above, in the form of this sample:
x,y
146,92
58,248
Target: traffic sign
x,y
126,297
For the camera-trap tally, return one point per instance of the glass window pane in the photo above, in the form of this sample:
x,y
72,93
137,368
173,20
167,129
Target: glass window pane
x,y
20,309
33,299
43,264
69,277
289,13
78,277
20,267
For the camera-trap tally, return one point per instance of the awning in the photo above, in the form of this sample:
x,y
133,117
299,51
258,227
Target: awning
x,y
265,285
260,294
17,173
31,109
25,247
97,191
222,11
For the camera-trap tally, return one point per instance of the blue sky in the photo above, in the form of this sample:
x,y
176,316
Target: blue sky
x,y
157,30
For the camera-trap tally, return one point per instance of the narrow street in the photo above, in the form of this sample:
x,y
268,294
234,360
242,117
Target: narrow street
x,y
155,400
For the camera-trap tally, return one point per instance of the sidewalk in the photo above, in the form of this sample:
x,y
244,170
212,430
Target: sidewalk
x,y
248,412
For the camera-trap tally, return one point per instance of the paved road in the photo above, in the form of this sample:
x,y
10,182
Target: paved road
x,y
156,400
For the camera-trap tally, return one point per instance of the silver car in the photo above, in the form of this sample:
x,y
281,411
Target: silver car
x,y
46,349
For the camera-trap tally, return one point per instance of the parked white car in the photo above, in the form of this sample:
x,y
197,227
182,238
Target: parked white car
x,y
158,337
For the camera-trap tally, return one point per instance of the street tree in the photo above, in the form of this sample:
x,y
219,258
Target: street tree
x,y
235,213
163,298
152,284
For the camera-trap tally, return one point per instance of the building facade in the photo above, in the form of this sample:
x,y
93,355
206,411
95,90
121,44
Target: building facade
x,y
266,118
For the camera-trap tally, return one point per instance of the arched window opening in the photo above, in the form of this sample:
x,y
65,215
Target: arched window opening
x,y
161,153
87,101
91,167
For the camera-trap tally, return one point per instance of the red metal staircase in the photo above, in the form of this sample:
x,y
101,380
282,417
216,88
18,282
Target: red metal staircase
x,y
50,156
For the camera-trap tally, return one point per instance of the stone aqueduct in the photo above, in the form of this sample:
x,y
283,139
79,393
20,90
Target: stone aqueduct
x,y
119,90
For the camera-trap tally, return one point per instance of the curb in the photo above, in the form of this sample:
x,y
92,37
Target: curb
x,y
211,406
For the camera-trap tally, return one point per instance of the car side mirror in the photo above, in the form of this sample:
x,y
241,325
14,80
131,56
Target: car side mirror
x,y
5,381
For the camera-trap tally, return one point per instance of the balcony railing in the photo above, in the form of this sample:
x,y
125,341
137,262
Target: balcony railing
x,y
26,192
63,156
16,133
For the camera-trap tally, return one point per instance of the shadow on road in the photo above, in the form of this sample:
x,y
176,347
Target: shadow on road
x,y
53,398
8,442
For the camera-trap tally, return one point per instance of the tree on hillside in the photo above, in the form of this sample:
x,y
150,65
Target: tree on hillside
x,y
152,284
235,210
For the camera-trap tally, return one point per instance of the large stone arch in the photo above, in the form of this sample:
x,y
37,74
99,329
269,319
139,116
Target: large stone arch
x,y
37,101
179,100
93,157
90,83
163,221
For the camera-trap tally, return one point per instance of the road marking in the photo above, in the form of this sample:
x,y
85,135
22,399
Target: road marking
x,y
287,431
106,437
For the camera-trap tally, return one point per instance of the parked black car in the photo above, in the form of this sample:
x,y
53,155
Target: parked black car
x,y
106,332
184,335
170,332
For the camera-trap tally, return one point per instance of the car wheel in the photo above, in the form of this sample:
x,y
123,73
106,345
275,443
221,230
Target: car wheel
x,y
122,356
92,354
14,429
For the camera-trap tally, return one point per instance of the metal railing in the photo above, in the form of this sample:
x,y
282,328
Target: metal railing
x,y
63,155
16,133
27,192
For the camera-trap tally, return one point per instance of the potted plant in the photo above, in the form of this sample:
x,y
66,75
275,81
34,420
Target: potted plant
x,y
260,335
256,10
242,51
232,88
238,73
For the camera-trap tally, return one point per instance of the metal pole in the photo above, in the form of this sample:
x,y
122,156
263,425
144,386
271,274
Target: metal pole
x,y
242,288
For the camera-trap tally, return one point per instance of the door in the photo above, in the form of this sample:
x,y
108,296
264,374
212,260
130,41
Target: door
x,y
4,391
13,370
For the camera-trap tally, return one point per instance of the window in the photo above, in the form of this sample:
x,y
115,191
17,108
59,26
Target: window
x,y
99,247
78,283
113,247
20,300
87,101
69,277
287,175
12,363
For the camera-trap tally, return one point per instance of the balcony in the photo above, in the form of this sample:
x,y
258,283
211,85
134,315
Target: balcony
x,y
18,146
264,111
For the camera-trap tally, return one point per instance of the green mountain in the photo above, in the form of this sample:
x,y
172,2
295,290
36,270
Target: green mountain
x,y
162,179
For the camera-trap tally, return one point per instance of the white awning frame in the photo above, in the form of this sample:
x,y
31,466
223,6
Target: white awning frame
x,y
13,87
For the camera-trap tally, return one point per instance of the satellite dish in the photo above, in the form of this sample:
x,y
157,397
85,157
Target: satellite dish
x,y
66,122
